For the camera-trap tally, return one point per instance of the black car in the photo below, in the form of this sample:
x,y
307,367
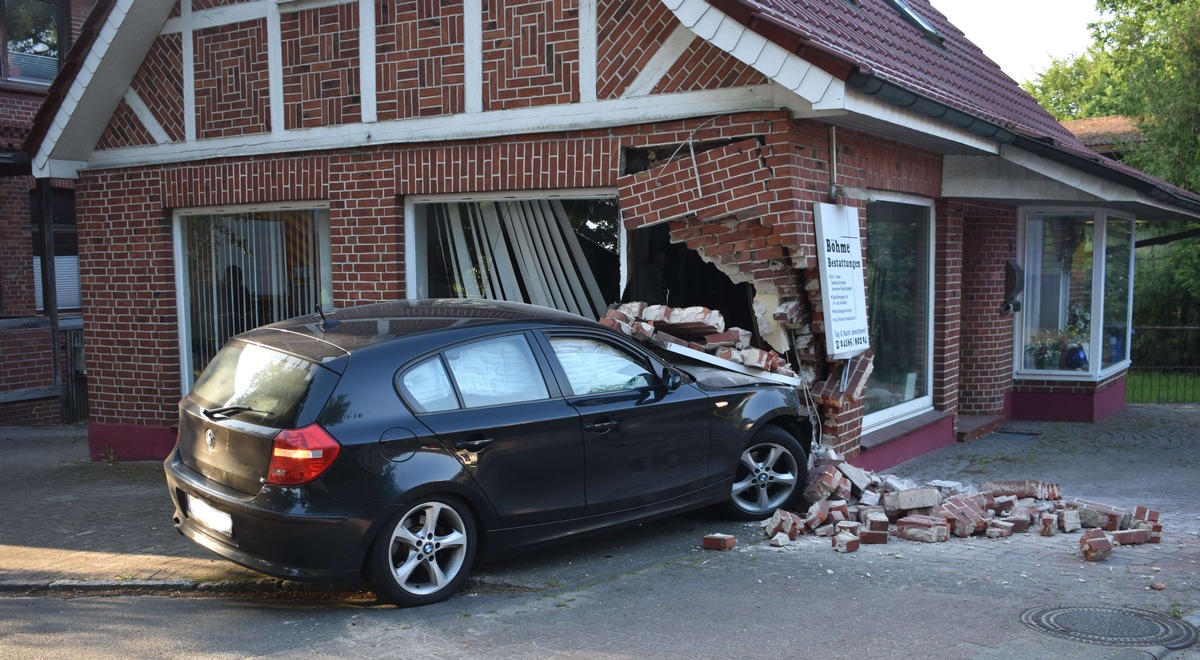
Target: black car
x,y
399,442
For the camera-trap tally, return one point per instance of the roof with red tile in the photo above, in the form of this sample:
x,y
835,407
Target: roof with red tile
x,y
874,37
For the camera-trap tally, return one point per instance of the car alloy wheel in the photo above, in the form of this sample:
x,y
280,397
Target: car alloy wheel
x,y
425,555
770,474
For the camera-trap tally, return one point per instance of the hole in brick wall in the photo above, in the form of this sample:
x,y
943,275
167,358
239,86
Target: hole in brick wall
x,y
666,273
642,159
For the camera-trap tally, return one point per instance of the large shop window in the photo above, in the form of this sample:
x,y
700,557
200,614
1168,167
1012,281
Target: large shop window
x,y
899,311
1075,320
246,268
553,252
32,31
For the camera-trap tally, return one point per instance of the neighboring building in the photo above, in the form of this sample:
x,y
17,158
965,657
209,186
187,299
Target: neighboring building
x,y
37,35
1108,136
240,162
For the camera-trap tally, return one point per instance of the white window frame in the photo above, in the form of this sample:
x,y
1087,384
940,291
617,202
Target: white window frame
x,y
415,256
1095,372
182,320
921,404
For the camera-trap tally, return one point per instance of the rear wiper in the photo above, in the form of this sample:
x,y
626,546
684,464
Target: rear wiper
x,y
227,411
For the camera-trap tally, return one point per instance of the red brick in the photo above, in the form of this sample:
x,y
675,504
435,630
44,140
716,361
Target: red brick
x,y
873,537
719,541
1095,545
1131,536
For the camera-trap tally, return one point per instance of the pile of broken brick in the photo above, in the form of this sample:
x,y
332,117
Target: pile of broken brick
x,y
853,506
697,328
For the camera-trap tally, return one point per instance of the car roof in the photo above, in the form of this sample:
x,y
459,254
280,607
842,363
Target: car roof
x,y
354,328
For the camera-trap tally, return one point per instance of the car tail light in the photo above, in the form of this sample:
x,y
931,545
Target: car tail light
x,y
299,456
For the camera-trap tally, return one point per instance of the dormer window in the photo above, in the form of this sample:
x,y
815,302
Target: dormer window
x,y
916,20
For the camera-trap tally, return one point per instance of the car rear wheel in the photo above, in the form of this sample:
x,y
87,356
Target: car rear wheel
x,y
770,475
424,554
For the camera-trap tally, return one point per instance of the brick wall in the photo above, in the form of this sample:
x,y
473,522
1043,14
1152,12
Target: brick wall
x,y
530,53
705,66
948,305
28,365
989,240
321,67
232,89
628,35
419,59
16,248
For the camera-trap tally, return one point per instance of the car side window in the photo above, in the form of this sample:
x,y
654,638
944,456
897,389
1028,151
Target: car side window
x,y
497,371
594,366
427,387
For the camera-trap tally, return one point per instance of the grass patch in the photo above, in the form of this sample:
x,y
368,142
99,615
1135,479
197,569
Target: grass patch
x,y
1144,386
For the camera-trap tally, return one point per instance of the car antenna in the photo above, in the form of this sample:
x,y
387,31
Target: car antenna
x,y
326,323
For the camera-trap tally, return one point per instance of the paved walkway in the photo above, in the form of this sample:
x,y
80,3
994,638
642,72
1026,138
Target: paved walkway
x,y
69,524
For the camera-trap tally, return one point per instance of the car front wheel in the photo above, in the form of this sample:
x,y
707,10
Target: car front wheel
x,y
771,473
424,554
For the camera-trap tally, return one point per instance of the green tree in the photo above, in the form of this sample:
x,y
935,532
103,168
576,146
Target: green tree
x,y
32,27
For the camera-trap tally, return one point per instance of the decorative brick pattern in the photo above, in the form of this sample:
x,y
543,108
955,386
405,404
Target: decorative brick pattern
x,y
320,67
707,67
124,130
530,53
420,62
232,90
629,34
159,83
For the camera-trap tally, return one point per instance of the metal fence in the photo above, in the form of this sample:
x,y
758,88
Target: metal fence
x,y
75,398
1166,365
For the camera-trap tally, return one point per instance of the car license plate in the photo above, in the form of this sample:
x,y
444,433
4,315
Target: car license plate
x,y
205,514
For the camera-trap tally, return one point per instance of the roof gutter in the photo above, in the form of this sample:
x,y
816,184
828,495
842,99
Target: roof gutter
x,y
872,85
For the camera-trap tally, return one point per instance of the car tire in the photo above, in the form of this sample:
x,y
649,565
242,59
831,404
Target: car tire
x,y
771,474
424,553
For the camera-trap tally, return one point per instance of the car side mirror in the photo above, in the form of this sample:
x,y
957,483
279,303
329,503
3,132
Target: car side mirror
x,y
670,379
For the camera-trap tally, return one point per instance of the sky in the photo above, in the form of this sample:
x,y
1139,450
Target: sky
x,y
1022,36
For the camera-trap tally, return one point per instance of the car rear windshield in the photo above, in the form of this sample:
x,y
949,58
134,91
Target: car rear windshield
x,y
256,384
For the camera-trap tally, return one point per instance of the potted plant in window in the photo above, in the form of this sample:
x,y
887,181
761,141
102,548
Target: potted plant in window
x,y
1045,349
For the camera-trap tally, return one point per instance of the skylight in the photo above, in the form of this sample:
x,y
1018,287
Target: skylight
x,y
916,20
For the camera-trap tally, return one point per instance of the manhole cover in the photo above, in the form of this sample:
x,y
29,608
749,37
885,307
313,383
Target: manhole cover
x,y
1111,626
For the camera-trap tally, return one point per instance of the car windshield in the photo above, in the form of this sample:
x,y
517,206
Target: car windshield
x,y
255,384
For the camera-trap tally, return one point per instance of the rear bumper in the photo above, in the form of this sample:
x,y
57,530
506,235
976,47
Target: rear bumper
x,y
289,533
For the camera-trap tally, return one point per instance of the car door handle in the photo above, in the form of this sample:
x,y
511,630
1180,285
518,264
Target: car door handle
x,y
473,445
602,426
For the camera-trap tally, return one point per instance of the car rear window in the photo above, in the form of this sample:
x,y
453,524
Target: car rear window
x,y
273,385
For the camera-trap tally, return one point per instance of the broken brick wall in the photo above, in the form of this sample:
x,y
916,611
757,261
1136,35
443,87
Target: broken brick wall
x,y
986,351
747,207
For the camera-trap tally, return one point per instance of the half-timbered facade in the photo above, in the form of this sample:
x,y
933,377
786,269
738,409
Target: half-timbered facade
x,y
242,162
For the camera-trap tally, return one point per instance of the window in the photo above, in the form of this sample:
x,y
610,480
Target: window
x,y
246,268
1077,271
899,310
427,387
553,252
66,250
594,367
497,371
32,31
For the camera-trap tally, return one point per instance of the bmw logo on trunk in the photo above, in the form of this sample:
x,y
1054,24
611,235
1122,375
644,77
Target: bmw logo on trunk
x,y
210,439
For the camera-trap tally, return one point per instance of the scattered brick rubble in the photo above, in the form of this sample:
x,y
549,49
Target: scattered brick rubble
x,y
852,506
698,328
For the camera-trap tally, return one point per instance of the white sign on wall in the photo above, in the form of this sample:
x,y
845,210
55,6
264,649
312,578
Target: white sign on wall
x,y
843,292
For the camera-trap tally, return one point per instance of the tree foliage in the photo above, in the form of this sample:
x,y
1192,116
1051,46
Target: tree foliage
x,y
1144,63
32,26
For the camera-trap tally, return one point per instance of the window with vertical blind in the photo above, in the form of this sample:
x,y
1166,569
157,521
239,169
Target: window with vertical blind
x,y
550,251
244,268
